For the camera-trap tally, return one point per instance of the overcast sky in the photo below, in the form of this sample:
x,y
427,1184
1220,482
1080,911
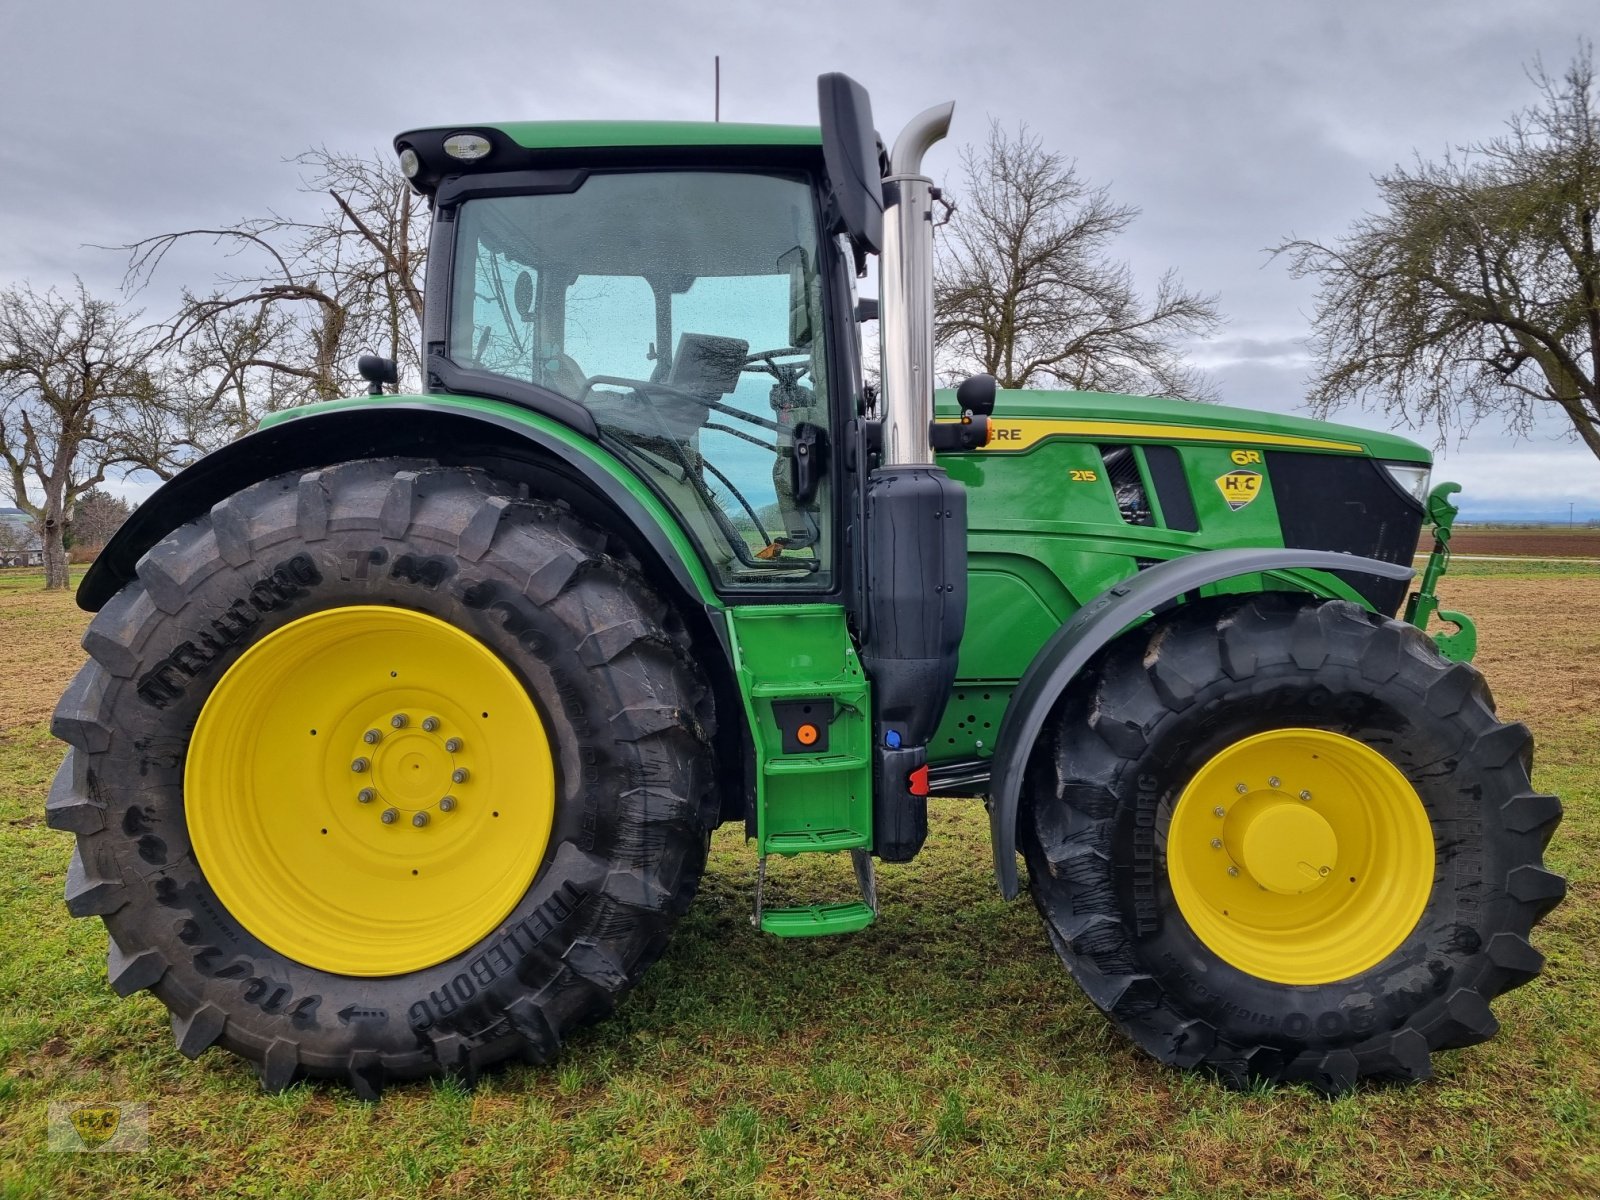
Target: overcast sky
x,y
1231,124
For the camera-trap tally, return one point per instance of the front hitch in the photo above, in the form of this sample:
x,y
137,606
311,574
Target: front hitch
x,y
1460,643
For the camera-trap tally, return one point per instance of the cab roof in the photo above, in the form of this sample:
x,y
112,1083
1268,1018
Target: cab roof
x,y
534,145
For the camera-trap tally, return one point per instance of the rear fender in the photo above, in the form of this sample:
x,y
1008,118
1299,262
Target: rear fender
x,y
1092,628
456,430
523,447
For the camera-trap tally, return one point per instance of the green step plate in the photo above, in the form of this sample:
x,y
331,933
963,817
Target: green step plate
x,y
816,766
817,841
816,920
809,687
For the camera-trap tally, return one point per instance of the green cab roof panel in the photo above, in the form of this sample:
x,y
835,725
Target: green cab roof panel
x,y
1110,417
568,135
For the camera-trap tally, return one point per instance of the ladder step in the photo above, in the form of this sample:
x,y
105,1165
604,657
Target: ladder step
x,y
815,766
834,688
817,920
813,841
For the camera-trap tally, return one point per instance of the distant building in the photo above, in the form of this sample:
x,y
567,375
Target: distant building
x,y
20,545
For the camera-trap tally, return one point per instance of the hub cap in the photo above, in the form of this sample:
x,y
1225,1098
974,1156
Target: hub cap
x,y
1300,856
369,790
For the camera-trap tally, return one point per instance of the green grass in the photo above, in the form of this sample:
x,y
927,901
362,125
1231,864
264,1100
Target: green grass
x,y
31,579
941,1052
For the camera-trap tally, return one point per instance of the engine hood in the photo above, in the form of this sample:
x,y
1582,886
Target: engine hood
x,y
1023,417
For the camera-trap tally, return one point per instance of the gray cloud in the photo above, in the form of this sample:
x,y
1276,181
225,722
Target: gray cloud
x,y
1233,125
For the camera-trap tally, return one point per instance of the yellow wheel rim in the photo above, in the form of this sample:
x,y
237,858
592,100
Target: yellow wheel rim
x,y
369,790
1300,856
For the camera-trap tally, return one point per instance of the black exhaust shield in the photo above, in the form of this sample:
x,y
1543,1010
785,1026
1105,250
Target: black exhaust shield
x,y
916,592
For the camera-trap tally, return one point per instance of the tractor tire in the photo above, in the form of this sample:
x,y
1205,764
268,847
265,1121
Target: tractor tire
x,y
318,905
1284,840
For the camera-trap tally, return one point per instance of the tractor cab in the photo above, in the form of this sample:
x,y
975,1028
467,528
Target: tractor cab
x,y
676,295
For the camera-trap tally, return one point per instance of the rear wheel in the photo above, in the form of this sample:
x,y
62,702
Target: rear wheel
x,y
379,772
1285,840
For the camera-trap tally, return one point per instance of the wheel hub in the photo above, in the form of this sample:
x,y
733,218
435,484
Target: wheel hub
x,y
1287,847
413,769
369,790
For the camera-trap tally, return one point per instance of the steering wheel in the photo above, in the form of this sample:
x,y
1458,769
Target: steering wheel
x,y
646,386
767,361
640,385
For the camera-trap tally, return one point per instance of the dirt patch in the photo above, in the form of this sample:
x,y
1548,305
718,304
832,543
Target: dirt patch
x,y
39,652
1520,543
1539,646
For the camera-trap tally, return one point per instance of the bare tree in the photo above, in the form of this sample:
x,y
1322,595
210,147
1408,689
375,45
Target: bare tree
x,y
80,393
1025,288
308,296
1475,290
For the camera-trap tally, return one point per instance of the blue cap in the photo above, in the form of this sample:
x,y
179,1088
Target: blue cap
x,y
892,739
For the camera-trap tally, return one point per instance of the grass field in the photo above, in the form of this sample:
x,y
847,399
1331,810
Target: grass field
x,y
942,1052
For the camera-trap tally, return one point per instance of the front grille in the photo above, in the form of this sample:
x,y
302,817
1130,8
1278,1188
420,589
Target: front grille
x,y
1122,473
1349,505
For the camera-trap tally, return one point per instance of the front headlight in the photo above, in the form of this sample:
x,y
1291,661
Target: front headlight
x,y
468,147
1413,480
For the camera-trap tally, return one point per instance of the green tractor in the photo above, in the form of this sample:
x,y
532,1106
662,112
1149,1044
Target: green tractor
x,y
407,718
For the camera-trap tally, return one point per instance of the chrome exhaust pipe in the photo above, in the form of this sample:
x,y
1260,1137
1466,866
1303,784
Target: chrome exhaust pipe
x,y
905,290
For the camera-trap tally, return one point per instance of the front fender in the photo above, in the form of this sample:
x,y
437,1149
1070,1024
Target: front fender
x,y
1093,627
457,429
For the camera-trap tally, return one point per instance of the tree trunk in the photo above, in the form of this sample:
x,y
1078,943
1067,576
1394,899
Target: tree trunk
x,y
55,551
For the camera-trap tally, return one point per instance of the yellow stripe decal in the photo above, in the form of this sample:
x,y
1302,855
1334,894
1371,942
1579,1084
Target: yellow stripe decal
x,y
1007,433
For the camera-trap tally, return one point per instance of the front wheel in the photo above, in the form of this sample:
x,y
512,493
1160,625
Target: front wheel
x,y
1285,840
379,772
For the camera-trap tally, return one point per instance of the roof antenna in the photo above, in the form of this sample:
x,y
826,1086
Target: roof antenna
x,y
716,109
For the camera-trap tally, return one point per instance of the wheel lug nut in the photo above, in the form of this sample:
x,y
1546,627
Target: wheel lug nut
x,y
430,723
1216,843
371,736
359,765
447,804
1219,811
459,775
1233,870
389,816
398,720
419,819
1273,782
1241,788
1305,795
365,796
452,744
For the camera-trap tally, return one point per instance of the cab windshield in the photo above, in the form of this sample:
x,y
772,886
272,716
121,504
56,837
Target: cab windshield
x,y
683,309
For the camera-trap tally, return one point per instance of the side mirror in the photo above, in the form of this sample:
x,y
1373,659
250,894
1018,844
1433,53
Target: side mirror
x,y
976,395
377,371
850,151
